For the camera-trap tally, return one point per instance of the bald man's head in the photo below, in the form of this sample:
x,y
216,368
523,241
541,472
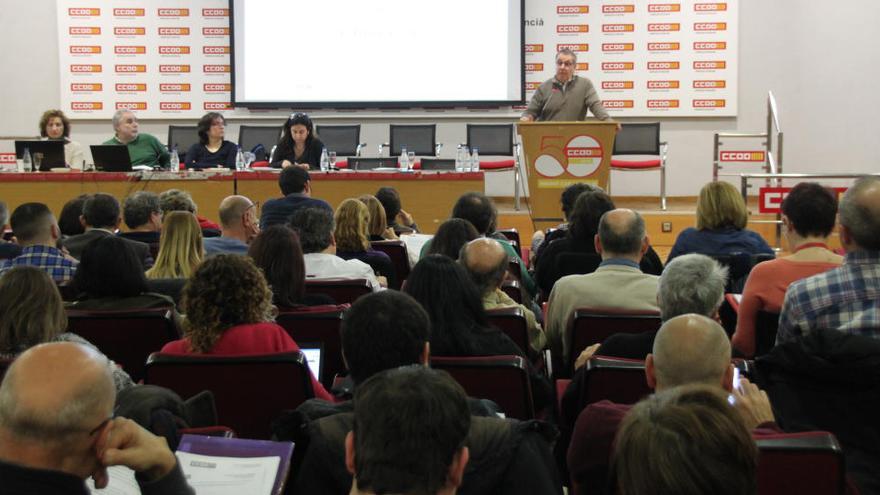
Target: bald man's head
x,y
690,349
621,233
232,209
54,391
860,215
486,262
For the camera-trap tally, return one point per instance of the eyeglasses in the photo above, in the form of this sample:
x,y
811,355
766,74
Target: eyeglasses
x,y
564,63
102,425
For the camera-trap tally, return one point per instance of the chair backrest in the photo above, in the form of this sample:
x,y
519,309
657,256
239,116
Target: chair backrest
x,y
420,138
342,290
513,289
249,391
800,463
616,379
343,139
249,136
512,321
319,324
638,139
511,235
396,250
182,136
514,266
502,379
766,325
128,336
491,139
591,326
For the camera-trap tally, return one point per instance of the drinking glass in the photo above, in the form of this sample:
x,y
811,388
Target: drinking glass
x,y
38,159
331,155
410,159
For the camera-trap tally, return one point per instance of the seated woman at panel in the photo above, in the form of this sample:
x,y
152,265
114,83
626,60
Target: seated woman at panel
x,y
298,144
278,253
229,312
808,216
377,226
110,277
722,216
451,236
353,241
31,313
212,150
54,125
180,247
582,228
459,325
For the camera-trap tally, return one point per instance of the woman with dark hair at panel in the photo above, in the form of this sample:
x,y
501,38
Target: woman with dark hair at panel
x,y
212,150
353,239
583,225
229,312
298,144
459,325
31,313
377,226
722,216
180,247
451,236
55,126
110,276
278,253
808,216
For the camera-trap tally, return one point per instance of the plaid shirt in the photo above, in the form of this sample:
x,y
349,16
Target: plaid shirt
x,y
845,299
48,258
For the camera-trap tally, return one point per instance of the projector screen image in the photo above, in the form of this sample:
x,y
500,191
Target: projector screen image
x,y
381,53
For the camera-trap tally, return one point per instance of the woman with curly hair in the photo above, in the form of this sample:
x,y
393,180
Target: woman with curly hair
x,y
353,239
180,247
229,311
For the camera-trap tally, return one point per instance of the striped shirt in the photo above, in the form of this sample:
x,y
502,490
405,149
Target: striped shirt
x,y
48,258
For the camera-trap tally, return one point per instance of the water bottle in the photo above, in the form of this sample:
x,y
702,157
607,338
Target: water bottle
x,y
465,158
325,160
239,159
175,160
475,160
404,158
459,161
26,163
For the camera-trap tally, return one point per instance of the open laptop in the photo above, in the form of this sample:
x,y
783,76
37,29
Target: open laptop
x,y
111,157
313,352
53,153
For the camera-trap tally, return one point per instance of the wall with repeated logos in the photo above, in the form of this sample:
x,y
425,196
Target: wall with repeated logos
x,y
817,57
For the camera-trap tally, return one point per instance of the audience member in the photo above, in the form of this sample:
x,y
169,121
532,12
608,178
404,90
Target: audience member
x,y
694,441
296,186
110,277
278,253
689,349
69,221
229,311
143,216
378,224
57,428
238,227
451,236
580,239
417,446
298,145
486,263
212,150
101,218
180,250
722,216
179,200
143,148
542,239
7,249
353,242
617,284
315,229
398,219
847,298
37,233
808,214
33,313
55,126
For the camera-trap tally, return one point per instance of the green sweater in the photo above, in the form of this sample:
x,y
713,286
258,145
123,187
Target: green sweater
x,y
145,150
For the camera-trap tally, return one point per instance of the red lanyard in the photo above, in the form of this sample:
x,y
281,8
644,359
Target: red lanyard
x,y
811,245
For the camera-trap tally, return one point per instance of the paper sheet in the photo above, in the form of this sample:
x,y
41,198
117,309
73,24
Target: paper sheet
x,y
213,475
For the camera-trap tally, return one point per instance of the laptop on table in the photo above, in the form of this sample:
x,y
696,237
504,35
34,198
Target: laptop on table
x,y
53,153
111,157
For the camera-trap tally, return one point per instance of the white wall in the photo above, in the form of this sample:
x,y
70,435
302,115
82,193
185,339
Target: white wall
x,y
819,59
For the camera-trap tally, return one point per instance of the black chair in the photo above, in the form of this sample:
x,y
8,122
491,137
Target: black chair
x,y
251,136
342,290
641,139
420,139
800,463
512,321
502,379
396,250
491,139
318,324
182,136
345,140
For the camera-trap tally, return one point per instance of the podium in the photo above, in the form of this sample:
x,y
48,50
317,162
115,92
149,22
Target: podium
x,y
559,154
